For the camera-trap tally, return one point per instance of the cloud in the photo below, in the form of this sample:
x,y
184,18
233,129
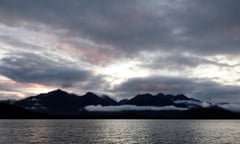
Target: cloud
x,y
32,68
231,107
203,89
39,37
156,84
121,108
200,27
10,89
191,102
177,61
9,95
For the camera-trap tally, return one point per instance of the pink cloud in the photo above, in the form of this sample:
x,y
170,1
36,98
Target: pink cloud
x,y
92,55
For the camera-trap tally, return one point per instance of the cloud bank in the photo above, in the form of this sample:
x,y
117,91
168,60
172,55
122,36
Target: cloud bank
x,y
122,47
121,108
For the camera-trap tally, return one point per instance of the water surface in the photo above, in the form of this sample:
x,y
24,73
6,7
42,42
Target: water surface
x,y
119,131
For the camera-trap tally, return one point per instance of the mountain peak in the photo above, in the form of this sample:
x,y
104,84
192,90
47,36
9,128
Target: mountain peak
x,y
160,94
90,94
58,92
146,95
109,99
181,96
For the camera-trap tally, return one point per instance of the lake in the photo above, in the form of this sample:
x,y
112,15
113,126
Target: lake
x,y
119,131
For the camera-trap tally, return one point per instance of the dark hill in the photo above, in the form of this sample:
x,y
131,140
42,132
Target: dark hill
x,y
62,103
11,111
160,100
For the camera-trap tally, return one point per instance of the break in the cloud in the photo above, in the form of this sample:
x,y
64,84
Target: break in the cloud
x,y
123,47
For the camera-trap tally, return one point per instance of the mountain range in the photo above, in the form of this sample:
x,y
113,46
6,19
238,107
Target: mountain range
x,y
60,104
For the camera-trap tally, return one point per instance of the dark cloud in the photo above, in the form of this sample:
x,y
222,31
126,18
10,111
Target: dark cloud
x,y
156,84
204,27
94,84
217,93
32,68
199,88
180,62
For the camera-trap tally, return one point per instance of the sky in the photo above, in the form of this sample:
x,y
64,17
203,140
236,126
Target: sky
x,y
121,48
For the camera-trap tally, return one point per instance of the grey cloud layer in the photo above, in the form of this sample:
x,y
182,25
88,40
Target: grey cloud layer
x,y
205,27
28,67
180,62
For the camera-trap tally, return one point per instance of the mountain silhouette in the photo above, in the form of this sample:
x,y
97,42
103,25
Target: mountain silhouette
x,y
61,104
163,100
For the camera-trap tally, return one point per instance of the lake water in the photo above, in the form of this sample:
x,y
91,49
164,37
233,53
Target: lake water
x,y
119,131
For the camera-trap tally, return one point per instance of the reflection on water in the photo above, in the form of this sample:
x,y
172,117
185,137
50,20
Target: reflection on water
x,y
119,131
